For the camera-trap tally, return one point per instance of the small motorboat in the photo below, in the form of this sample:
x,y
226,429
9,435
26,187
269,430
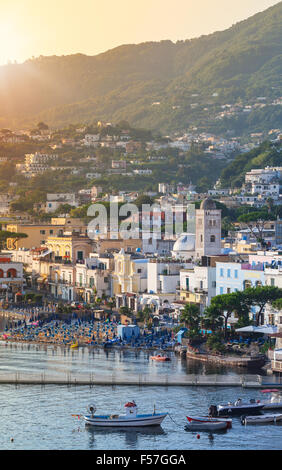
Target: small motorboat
x,y
238,408
261,419
274,402
206,423
160,358
130,419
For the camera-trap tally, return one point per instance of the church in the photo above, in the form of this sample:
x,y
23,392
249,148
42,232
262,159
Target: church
x,y
206,241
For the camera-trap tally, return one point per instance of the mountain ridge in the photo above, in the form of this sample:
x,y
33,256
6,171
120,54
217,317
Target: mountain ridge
x,y
127,81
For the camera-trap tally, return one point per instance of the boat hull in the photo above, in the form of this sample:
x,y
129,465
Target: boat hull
x,y
263,419
239,410
272,406
125,421
207,424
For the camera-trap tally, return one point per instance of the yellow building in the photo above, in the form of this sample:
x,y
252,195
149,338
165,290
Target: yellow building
x,y
37,235
73,247
130,273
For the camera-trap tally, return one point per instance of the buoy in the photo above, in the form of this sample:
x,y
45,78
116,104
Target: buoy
x,y
198,436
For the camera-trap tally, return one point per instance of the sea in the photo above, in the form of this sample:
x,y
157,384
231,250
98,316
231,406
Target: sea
x,y
47,417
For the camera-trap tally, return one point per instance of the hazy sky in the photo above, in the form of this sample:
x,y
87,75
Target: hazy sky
x,y
46,27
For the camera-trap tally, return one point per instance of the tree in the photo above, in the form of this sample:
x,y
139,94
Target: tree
x,y
259,296
226,304
213,319
191,318
255,222
5,234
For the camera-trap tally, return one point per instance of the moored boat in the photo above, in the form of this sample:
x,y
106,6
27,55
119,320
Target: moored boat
x,y
261,419
237,408
160,358
274,402
130,419
206,423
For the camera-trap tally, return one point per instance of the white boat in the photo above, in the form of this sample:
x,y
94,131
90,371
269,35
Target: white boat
x,y
261,419
206,423
274,402
130,419
239,407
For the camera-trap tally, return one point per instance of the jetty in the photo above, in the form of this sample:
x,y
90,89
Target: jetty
x,y
140,380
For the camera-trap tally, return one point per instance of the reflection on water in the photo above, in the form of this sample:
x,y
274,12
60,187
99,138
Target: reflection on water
x,y
23,357
129,436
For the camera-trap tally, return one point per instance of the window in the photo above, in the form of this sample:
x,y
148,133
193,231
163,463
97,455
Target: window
x,y
221,272
201,284
221,290
139,270
213,283
228,290
51,232
272,281
212,239
236,273
228,272
42,232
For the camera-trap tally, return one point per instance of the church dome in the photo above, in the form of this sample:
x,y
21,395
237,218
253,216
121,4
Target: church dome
x,y
186,242
207,204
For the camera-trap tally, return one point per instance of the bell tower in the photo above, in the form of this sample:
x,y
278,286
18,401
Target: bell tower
x,y
208,229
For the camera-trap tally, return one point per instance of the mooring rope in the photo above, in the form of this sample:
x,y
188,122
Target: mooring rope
x,y
174,421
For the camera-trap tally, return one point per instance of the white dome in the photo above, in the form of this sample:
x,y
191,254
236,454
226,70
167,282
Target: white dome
x,y
186,242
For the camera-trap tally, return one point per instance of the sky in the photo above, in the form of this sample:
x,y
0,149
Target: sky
x,y
30,28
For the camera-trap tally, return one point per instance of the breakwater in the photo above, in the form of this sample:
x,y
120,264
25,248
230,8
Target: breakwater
x,y
141,380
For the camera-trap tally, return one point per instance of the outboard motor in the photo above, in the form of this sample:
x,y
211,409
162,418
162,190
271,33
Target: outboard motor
x,y
213,411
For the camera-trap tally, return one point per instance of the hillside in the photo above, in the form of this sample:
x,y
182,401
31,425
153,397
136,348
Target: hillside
x,y
266,154
154,84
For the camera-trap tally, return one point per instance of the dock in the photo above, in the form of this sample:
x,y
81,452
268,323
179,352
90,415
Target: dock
x,y
141,380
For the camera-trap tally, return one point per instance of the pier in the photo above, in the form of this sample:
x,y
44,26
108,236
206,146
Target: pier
x,y
141,380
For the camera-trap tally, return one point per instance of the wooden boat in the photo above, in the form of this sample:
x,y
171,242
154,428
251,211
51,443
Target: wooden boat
x,y
130,419
160,358
239,407
206,423
261,419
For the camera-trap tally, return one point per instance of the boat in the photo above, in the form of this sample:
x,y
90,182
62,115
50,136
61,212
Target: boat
x,y
274,402
237,408
131,418
74,345
261,419
160,358
207,423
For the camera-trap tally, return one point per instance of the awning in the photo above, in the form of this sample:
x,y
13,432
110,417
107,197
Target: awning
x,y
266,330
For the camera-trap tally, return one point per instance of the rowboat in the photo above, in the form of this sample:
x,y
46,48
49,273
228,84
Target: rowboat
x,y
207,423
130,419
160,358
261,419
239,407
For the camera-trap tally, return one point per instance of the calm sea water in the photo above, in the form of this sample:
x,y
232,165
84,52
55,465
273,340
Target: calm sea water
x,y
40,417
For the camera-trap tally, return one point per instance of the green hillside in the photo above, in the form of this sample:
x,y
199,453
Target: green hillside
x,y
266,154
153,84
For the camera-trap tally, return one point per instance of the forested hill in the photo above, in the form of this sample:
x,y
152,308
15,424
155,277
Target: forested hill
x,y
266,154
158,85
